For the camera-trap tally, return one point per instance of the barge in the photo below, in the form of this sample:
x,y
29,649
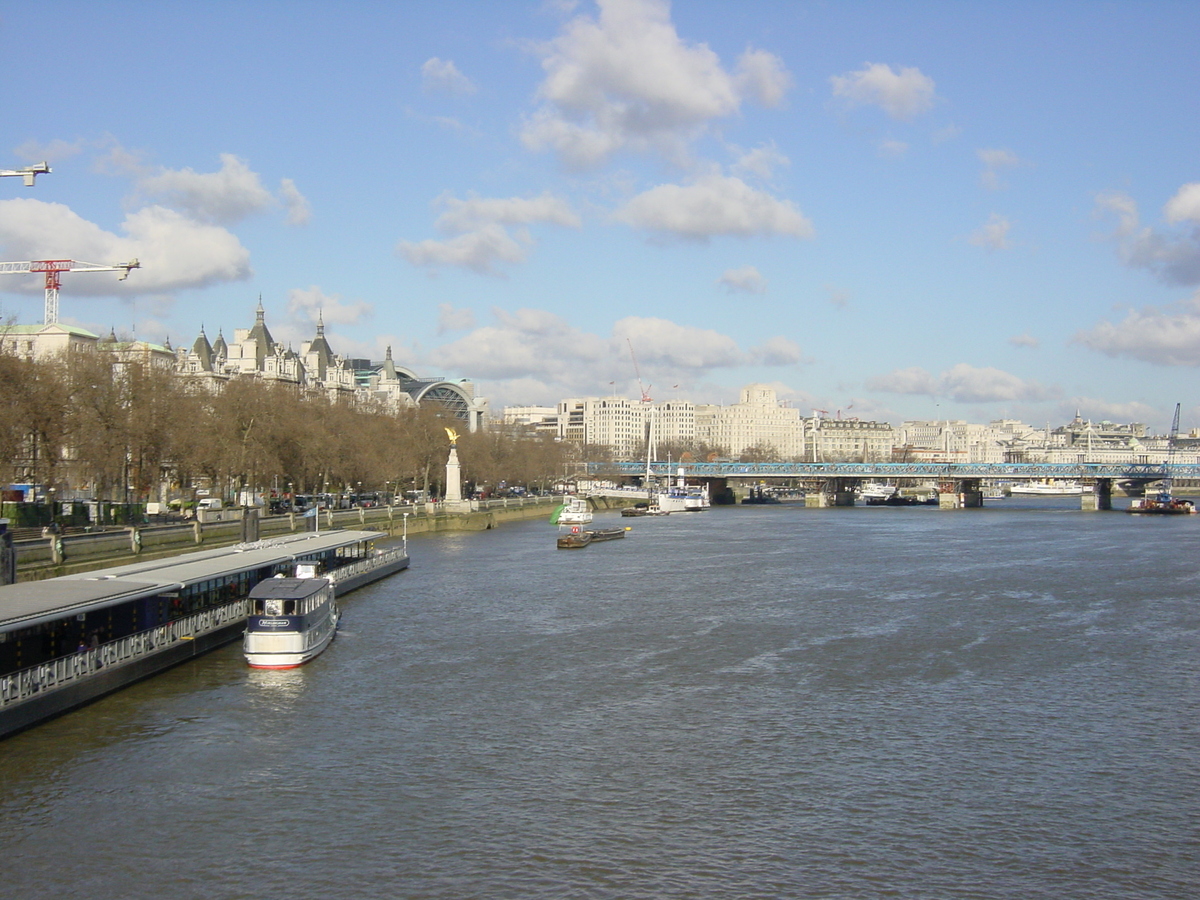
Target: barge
x,y
67,641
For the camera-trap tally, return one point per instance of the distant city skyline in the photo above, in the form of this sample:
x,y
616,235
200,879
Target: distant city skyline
x,y
921,211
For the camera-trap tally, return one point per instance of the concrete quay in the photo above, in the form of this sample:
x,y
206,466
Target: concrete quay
x,y
68,554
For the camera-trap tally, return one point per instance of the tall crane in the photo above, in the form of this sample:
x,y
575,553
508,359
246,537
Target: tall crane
x,y
53,269
645,395
1172,439
29,173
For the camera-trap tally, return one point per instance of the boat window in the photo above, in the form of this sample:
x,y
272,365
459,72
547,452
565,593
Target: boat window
x,y
258,607
289,607
273,608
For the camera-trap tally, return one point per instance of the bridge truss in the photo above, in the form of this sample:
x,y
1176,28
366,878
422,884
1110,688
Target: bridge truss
x,y
889,471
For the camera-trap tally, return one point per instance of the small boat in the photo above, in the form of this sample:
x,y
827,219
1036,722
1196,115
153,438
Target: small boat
x,y
644,509
291,620
872,490
574,511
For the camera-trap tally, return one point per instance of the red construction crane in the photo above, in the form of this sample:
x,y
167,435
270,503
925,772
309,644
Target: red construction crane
x,y
53,268
645,395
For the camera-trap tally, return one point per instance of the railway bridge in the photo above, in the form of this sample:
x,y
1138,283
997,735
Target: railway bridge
x,y
959,485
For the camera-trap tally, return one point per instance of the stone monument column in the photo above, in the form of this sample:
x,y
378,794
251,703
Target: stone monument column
x,y
454,499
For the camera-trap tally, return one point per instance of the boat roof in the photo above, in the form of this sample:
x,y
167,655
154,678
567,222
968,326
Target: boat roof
x,y
288,588
33,602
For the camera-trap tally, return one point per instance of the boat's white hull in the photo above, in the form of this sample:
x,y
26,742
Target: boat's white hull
x,y
288,649
1046,490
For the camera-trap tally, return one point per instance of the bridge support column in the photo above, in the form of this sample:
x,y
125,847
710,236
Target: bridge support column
x,y
1097,494
966,493
830,492
844,491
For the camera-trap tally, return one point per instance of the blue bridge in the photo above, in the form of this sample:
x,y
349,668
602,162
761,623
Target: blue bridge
x,y
892,470
959,484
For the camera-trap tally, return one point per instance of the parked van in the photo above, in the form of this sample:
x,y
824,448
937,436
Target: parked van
x,y
209,503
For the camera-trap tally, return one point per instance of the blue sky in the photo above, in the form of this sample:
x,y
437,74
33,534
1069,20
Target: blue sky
x,y
917,210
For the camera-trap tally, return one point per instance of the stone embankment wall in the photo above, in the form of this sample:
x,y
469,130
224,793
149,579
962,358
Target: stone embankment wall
x,y
67,554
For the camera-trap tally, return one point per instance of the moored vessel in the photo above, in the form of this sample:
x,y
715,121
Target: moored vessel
x,y
574,511
67,641
1162,505
291,620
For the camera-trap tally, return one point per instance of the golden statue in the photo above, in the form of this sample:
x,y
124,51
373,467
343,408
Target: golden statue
x,y
453,435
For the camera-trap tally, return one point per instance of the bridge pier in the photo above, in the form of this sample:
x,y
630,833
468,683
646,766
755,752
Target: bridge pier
x,y
963,493
1097,494
831,492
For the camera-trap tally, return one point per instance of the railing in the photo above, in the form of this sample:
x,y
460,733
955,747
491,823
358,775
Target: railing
x,y
366,564
65,670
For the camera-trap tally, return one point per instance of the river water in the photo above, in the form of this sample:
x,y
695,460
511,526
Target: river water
x,y
752,702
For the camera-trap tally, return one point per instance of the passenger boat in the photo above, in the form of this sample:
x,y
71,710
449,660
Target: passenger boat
x,y
66,641
574,511
291,621
872,490
1046,488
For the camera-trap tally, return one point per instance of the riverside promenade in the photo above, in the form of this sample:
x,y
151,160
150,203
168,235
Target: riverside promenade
x,y
68,554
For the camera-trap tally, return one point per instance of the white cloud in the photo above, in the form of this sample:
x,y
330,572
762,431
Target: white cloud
x,y
1184,206
529,343
913,380
902,95
475,212
777,351
224,197
993,235
890,147
838,297
1166,337
442,75
763,76
452,319
1174,258
299,211
482,238
478,251
962,383
745,280
760,162
52,152
670,349
626,80
537,356
1025,340
713,205
175,252
1104,410
312,303
993,161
